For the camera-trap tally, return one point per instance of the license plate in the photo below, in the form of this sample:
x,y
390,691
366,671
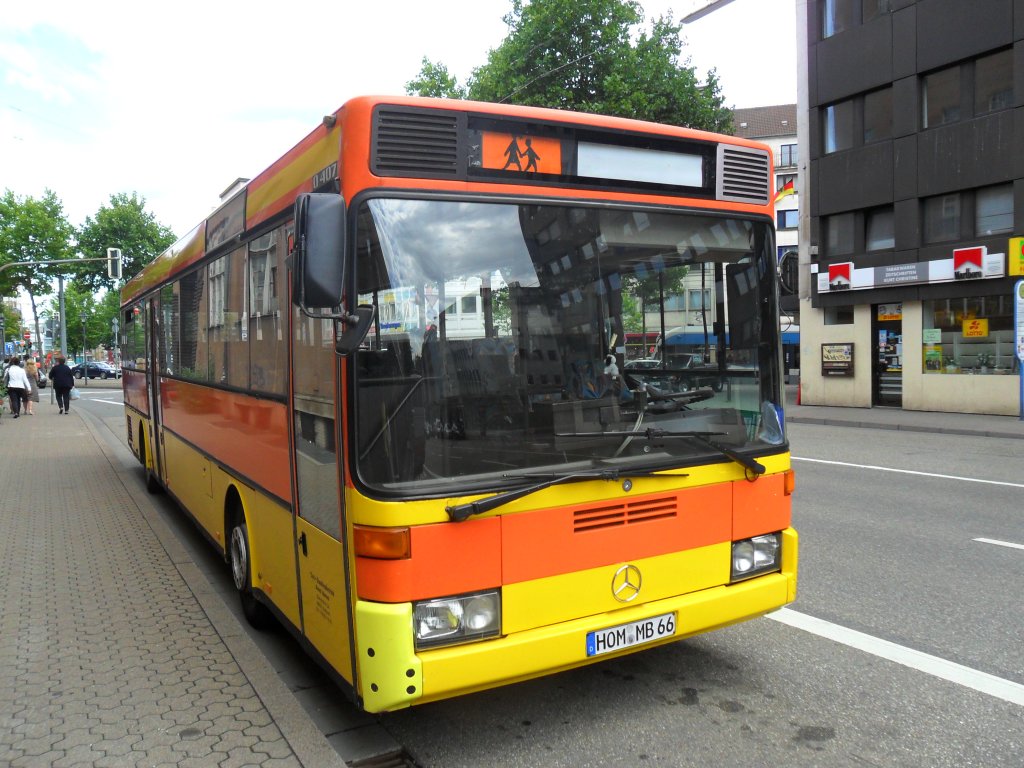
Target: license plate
x,y
627,635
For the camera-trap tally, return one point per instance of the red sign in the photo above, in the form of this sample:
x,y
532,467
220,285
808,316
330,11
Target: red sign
x,y
969,259
839,275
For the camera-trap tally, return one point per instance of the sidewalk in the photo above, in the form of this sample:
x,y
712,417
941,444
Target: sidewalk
x,y
979,425
114,650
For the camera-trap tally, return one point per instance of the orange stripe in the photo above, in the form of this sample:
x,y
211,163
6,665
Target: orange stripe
x,y
447,559
451,558
760,507
246,434
552,542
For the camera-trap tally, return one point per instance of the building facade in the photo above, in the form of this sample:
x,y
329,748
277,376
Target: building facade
x,y
915,203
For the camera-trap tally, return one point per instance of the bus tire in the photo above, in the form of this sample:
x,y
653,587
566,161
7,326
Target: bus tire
x,y
256,613
152,483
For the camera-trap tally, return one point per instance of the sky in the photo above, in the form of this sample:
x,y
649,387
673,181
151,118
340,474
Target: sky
x,y
174,101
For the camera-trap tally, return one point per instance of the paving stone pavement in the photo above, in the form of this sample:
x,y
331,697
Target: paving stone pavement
x,y
108,656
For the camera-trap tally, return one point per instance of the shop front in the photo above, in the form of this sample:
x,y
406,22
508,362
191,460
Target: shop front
x,y
931,336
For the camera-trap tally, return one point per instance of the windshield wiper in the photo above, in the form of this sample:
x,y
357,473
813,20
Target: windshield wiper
x,y
653,433
461,512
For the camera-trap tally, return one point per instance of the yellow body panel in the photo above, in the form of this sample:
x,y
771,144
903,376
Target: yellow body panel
x,y
324,598
395,668
390,673
364,511
543,602
188,475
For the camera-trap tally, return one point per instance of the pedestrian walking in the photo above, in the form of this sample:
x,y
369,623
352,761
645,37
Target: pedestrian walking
x,y
62,381
32,372
17,386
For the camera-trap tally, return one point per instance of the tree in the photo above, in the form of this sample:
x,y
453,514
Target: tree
x,y
590,56
32,230
78,300
434,80
125,224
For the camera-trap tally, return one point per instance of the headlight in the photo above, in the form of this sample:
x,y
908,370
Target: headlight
x,y
752,557
456,619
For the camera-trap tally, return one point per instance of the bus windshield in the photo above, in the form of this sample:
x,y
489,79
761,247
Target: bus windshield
x,y
500,347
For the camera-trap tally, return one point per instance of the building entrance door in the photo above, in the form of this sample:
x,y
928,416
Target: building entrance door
x,y
887,357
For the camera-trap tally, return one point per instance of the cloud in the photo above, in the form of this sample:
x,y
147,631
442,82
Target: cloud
x,y
174,101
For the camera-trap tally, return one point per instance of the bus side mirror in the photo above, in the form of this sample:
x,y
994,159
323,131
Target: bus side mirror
x,y
318,266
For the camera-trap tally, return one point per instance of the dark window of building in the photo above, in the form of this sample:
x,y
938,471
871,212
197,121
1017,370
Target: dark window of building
x,y
836,16
878,115
880,230
941,98
787,155
842,315
839,234
872,8
941,218
993,83
993,210
788,219
838,127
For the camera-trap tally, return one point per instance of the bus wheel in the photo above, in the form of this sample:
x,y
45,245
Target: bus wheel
x,y
152,484
256,613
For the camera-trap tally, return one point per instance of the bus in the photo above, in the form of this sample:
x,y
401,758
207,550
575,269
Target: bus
x,y
386,379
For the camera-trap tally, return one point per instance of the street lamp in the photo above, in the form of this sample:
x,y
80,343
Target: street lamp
x,y
85,361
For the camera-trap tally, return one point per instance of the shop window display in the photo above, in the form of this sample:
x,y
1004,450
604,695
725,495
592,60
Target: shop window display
x,y
971,335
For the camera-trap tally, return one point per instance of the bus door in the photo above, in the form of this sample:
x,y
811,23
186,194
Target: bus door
x,y
323,580
156,321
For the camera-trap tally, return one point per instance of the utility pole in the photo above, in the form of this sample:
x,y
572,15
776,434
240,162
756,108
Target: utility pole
x,y
63,321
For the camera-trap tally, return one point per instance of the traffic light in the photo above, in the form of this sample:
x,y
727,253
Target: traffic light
x,y
114,263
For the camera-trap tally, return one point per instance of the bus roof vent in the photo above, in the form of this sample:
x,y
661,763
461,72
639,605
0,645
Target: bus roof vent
x,y
744,175
409,141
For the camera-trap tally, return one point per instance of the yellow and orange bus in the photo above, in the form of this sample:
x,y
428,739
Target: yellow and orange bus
x,y
387,379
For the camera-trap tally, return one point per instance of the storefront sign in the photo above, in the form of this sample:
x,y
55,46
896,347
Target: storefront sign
x,y
890,312
966,264
976,328
931,335
837,359
1016,256
901,274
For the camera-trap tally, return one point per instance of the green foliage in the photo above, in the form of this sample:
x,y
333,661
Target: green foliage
x,y
589,56
32,230
434,80
124,224
99,312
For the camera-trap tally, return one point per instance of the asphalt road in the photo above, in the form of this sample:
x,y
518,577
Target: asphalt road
x,y
892,555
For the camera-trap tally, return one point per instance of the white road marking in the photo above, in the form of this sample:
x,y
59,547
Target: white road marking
x,y
909,472
1000,543
101,400
1006,690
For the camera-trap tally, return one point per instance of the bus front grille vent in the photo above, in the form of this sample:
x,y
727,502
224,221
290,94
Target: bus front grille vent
x,y
627,513
744,175
416,142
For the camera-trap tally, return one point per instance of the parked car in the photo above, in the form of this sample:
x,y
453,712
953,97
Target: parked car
x,y
96,370
644,363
